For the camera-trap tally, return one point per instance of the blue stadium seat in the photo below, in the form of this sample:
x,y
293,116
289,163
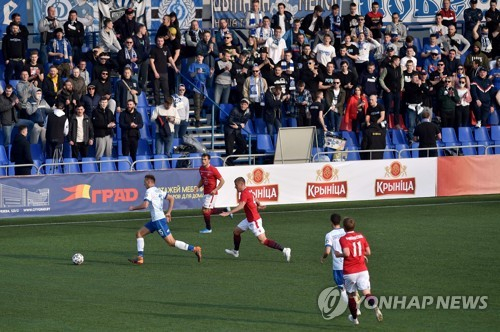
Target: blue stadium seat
x,y
142,100
71,166
108,164
353,155
403,154
144,111
89,165
260,126
4,160
52,169
215,159
143,148
449,137
399,137
388,154
351,138
37,152
158,163
264,144
465,137
124,163
291,122
2,85
414,153
495,138
225,110
143,163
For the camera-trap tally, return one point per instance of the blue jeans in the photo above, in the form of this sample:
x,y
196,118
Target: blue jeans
x,y
272,125
7,132
181,129
164,145
412,123
221,93
333,121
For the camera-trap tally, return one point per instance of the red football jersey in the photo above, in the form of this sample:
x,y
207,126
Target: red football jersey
x,y
250,208
209,176
357,245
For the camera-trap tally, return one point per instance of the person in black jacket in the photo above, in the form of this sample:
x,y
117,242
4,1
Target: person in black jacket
x,y
50,85
308,20
427,133
57,127
90,101
20,153
104,88
272,111
81,132
415,92
130,123
235,124
126,25
103,121
126,89
75,34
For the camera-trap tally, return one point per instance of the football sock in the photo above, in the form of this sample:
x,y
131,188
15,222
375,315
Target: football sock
x,y
372,300
206,217
237,240
343,295
140,246
273,244
353,307
183,245
217,211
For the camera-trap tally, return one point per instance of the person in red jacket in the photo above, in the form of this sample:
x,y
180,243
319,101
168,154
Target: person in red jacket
x,y
356,109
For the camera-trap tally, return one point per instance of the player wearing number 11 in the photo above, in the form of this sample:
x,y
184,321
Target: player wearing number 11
x,y
355,248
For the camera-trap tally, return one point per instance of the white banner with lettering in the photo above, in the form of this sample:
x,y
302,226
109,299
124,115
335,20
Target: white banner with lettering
x,y
333,182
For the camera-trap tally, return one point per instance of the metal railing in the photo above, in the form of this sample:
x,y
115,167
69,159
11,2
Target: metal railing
x,y
251,157
7,167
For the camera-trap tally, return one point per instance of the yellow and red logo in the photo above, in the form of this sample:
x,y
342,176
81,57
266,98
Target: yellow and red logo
x,y
258,180
82,191
325,185
398,185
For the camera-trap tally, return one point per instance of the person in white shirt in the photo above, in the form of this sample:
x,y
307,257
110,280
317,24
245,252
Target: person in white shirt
x,y
153,200
254,17
168,114
182,105
410,55
276,46
324,51
365,45
264,32
438,29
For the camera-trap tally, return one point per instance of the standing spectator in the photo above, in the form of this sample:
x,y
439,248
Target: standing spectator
x,y
239,72
352,49
91,100
263,32
229,47
396,26
432,64
410,57
165,25
324,52
334,22
448,98
355,111
37,110
46,26
302,100
305,55
348,78
317,120
57,127
326,83
449,15
166,117
79,85
350,21
108,40
34,69
223,79
104,122
23,30
200,73
483,36
492,16
223,32
415,92
126,25
454,41
126,89
232,131
104,89
75,34
181,103
344,57
313,22
462,111
384,52
335,98
13,49
60,53
282,18
478,55
276,46
374,21
265,63
374,133
452,64
360,29
272,111
131,56
369,80
20,153
174,23
409,43
254,91
254,17
142,43
429,48
427,133
208,48
9,107
104,63
310,75
130,123
291,37
81,133
24,90
483,97
174,46
160,57
193,36
366,46
438,29
391,81
472,15
68,97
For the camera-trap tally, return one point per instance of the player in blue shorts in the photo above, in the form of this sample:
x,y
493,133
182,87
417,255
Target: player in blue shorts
x,y
153,199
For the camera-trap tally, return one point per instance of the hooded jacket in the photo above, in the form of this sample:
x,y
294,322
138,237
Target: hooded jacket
x,y
37,110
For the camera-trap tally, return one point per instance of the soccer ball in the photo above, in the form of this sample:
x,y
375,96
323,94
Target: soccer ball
x,y
77,259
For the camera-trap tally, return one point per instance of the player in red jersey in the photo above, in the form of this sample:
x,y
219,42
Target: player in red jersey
x,y
253,221
355,248
209,178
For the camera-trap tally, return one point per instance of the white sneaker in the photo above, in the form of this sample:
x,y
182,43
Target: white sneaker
x,y
205,231
231,215
358,312
233,252
287,252
355,321
478,124
379,315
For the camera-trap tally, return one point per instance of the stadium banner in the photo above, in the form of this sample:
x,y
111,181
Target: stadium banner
x,y
333,182
411,11
471,175
57,195
92,12
7,9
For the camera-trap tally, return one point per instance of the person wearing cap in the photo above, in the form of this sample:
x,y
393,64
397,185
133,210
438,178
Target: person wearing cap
x,y
431,63
200,74
254,18
13,48
236,122
398,26
126,25
108,40
432,46
472,15
476,54
350,20
60,53
74,32
90,101
449,15
241,69
312,22
483,96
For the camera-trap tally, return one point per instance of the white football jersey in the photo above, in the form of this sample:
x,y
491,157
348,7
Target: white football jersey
x,y
332,240
155,198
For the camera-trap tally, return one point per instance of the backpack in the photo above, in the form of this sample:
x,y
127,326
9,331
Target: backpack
x,y
183,163
163,126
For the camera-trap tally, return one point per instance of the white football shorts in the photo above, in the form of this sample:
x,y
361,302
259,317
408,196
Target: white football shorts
x,y
254,226
357,281
209,201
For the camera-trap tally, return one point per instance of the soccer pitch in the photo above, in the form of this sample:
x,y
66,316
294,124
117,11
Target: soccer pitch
x,y
420,247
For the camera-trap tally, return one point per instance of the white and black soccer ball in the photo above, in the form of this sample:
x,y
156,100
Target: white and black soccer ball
x,y
77,259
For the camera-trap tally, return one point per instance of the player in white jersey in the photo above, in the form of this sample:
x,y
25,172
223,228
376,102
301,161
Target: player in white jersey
x,y
153,200
331,245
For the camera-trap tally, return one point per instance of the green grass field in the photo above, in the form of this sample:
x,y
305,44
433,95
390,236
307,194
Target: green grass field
x,y
424,247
